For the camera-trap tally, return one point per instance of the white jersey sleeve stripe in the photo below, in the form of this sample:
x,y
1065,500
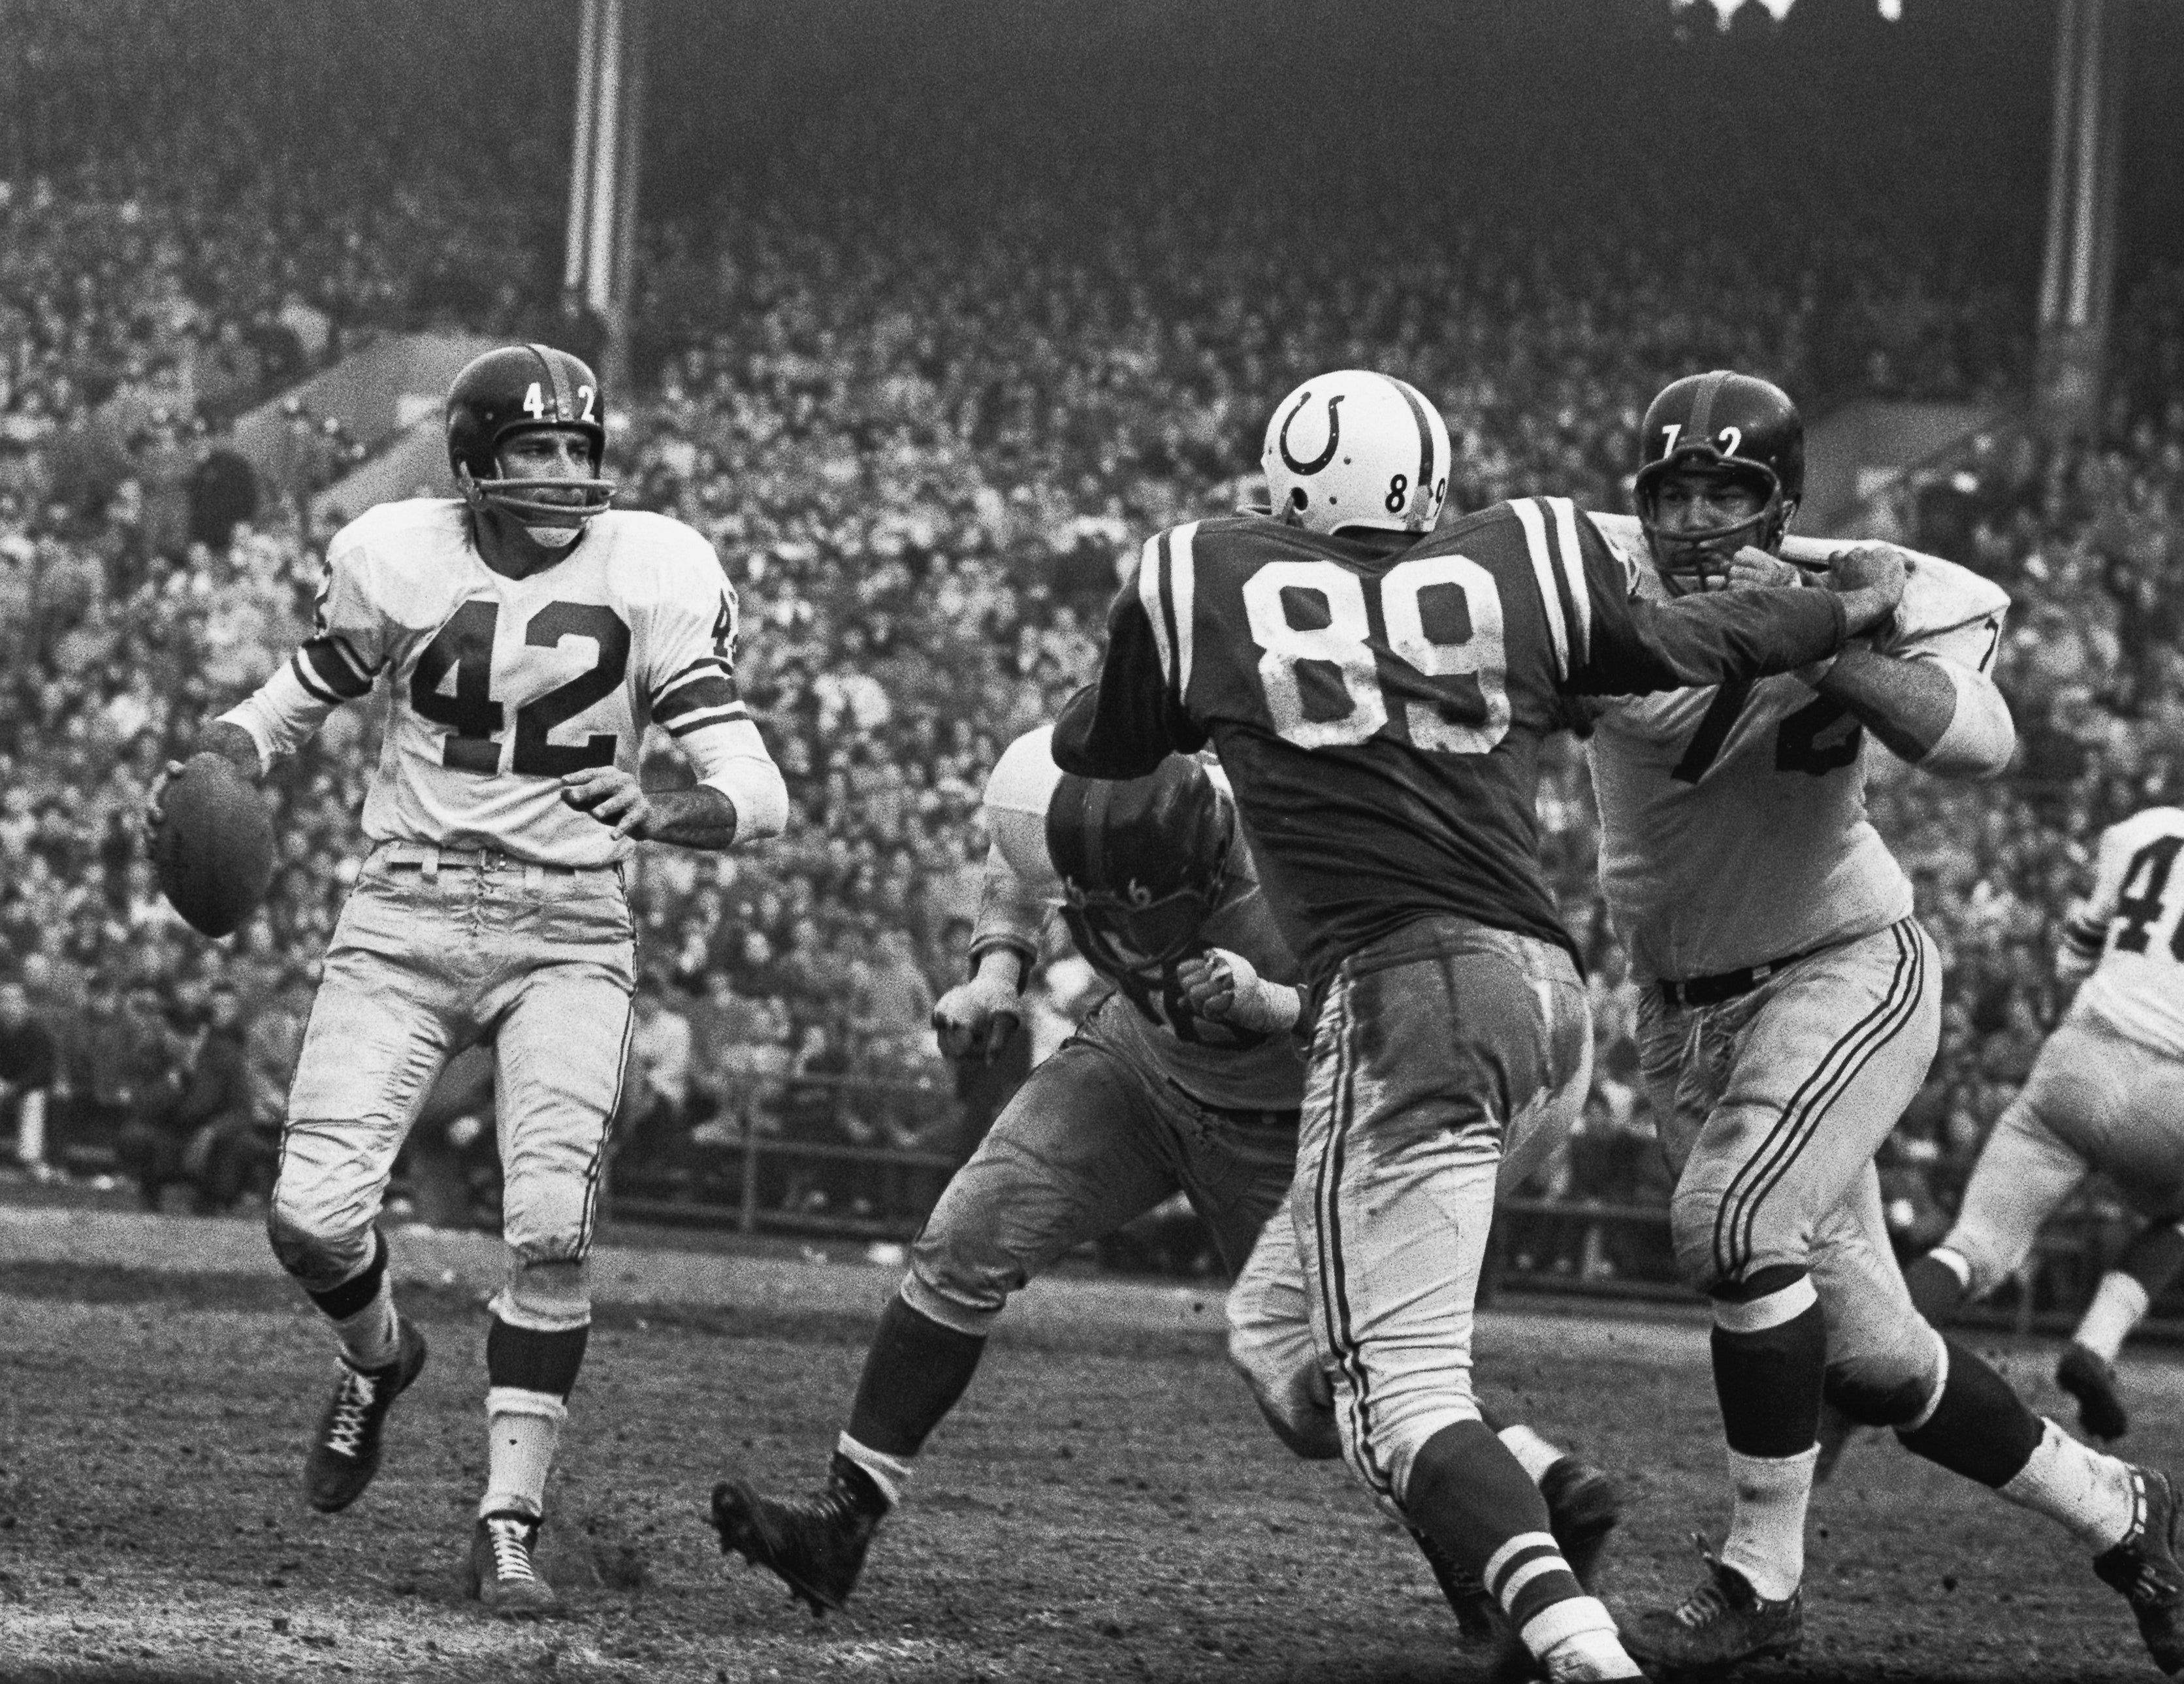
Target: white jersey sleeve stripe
x,y
1183,592
1573,559
1543,575
1150,595
311,682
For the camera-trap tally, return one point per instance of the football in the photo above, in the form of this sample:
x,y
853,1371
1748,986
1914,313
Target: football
x,y
214,850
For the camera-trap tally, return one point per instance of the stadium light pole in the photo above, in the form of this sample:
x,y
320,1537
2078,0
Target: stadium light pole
x,y
598,270
2077,277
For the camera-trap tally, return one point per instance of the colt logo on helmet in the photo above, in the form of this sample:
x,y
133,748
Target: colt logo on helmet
x,y
1334,437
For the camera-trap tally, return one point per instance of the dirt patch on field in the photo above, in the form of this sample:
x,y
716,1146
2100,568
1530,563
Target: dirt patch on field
x,y
1110,1512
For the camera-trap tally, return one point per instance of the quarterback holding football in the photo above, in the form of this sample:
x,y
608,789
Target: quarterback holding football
x,y
523,635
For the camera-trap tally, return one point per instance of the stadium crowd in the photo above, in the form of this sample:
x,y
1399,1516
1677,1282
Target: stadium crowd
x,y
924,436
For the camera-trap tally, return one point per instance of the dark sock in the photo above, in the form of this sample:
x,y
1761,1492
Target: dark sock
x,y
1471,1497
1936,1293
1981,1428
338,1303
914,1372
531,1361
2154,1257
1768,1383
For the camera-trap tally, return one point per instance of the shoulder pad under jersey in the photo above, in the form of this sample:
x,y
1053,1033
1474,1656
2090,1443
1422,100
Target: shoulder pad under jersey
x,y
1940,596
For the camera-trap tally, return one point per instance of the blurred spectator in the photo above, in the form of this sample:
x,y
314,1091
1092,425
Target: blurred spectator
x,y
223,491
28,1065
146,1059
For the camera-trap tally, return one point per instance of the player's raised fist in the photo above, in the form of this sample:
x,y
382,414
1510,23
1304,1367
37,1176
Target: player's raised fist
x,y
1753,568
1870,578
976,1019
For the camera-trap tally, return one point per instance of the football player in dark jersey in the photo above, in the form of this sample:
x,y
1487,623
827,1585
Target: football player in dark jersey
x,y
1379,697
1150,1097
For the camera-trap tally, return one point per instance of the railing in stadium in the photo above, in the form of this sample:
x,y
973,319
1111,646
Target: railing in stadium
x,y
743,1172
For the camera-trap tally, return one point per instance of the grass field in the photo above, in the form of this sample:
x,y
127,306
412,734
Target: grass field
x,y
1100,1508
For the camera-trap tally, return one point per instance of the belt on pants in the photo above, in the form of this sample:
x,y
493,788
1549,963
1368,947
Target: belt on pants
x,y
432,861
1728,984
1243,1116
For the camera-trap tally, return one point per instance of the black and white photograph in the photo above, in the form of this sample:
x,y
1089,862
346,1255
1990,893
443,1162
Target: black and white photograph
x,y
1138,841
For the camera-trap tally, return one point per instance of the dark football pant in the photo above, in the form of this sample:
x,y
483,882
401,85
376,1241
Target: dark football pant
x,y
1094,1138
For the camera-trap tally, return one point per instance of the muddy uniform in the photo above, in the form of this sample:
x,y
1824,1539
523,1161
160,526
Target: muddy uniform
x,y
489,910
1378,703
1791,1004
1145,1099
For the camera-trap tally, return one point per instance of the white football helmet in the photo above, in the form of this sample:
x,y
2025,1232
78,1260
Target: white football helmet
x,y
1018,795
1355,448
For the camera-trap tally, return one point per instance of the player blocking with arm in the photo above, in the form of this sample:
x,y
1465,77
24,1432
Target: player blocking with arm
x,y
1149,1097
1379,703
523,635
2106,1095
1791,1010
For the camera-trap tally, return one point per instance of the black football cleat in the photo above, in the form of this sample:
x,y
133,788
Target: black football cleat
x,y
503,1568
1720,1625
2093,1382
345,1451
814,1545
1584,1505
2145,1569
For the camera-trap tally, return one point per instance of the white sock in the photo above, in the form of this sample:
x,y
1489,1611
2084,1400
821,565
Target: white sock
x,y
2119,1307
890,1473
1576,1638
1767,1530
523,1430
1535,1453
368,1338
2091,1496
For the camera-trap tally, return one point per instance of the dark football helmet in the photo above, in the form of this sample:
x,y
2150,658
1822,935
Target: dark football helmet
x,y
1734,423
521,389
1142,863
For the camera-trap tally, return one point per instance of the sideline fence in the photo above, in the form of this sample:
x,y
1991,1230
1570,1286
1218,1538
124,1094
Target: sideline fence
x,y
780,1157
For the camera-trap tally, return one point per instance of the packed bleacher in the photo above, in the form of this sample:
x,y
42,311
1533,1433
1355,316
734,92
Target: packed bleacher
x,y
922,414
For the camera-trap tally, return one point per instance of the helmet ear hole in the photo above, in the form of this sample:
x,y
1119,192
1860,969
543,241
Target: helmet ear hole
x,y
1300,499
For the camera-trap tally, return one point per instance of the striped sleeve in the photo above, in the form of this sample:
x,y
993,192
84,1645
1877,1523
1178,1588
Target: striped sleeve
x,y
1167,587
1558,573
338,663
703,693
691,653
329,668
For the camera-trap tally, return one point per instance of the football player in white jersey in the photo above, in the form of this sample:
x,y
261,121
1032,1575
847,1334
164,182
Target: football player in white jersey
x,y
2106,1095
1791,1008
523,636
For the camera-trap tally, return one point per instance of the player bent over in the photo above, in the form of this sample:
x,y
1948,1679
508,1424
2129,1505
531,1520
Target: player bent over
x,y
1792,1008
1149,1097
524,636
1377,696
2106,1095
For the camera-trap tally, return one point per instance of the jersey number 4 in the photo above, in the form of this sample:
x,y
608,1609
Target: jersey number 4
x,y
1321,675
2139,898
475,720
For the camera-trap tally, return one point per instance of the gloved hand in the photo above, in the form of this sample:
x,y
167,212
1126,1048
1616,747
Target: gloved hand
x,y
1223,987
975,1019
